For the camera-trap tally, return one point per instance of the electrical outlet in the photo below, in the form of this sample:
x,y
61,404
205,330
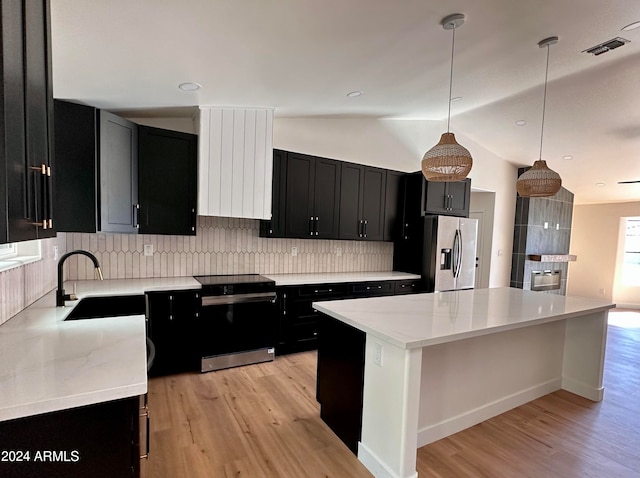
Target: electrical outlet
x,y
601,290
148,249
338,251
546,225
294,251
55,253
499,252
377,354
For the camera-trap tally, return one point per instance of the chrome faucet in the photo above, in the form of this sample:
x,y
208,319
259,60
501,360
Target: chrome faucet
x,y
61,297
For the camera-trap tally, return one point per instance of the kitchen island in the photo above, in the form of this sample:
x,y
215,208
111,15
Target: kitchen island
x,y
422,367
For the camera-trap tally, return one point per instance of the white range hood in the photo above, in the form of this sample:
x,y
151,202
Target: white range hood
x,y
235,162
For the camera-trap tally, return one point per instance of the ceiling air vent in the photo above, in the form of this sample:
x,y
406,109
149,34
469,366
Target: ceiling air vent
x,y
606,46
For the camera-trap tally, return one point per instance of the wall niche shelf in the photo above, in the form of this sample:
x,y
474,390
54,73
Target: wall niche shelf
x,y
552,257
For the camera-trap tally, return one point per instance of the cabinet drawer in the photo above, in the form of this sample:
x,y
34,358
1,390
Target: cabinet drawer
x,y
370,289
324,291
408,286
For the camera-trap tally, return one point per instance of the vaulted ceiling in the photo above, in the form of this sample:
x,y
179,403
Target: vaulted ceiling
x,y
303,57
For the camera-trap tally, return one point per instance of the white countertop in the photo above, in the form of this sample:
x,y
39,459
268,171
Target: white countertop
x,y
334,277
48,364
419,320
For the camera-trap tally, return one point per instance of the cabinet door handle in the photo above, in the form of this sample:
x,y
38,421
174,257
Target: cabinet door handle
x,y
41,216
146,454
360,228
317,224
134,215
365,228
49,193
311,226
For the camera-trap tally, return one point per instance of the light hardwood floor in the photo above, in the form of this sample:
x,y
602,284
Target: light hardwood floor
x,y
263,421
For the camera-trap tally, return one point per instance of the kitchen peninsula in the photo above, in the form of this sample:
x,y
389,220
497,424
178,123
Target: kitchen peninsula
x,y
425,366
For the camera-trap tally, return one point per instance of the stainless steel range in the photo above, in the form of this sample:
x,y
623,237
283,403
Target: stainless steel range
x,y
238,320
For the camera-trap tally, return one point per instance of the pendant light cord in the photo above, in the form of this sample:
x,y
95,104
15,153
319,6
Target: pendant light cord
x,y
544,101
453,42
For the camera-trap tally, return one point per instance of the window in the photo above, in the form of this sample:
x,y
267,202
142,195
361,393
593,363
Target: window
x,y
19,253
7,250
631,258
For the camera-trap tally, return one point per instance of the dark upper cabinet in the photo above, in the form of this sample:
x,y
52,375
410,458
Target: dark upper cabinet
x,y
118,164
167,163
393,205
118,177
312,197
77,155
449,198
275,226
424,197
26,122
362,202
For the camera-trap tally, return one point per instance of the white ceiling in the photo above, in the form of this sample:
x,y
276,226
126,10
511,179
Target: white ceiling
x,y
303,56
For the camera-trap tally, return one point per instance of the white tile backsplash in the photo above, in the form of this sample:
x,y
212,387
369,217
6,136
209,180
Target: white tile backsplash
x,y
23,285
221,246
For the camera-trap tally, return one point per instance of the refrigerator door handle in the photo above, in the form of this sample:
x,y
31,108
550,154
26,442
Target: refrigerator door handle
x,y
457,253
461,255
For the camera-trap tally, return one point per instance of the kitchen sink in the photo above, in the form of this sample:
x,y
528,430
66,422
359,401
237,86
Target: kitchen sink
x,y
107,306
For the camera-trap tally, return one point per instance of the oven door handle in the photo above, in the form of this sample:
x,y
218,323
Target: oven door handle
x,y
238,298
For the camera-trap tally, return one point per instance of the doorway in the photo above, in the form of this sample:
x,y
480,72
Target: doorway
x,y
482,208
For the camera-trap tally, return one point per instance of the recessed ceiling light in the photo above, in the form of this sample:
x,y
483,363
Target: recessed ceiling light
x,y
455,99
521,123
568,156
188,86
354,94
600,185
631,26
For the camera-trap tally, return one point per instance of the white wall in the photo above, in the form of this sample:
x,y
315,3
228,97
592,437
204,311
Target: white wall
x,y
400,145
185,125
594,239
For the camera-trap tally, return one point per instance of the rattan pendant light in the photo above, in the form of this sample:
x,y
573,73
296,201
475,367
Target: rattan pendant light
x,y
448,160
539,180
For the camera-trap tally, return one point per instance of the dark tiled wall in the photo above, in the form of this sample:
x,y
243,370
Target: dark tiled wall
x,y
532,237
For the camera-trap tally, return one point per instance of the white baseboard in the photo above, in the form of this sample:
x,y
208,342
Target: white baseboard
x,y
443,429
582,389
627,306
376,466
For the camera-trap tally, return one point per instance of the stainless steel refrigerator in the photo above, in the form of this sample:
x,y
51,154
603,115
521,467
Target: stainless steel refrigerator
x,y
450,252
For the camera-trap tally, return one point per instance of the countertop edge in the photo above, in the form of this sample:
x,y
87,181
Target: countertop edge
x,y
338,277
324,307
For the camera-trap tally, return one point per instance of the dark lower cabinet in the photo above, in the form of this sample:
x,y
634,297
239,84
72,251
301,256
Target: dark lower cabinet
x,y
172,320
298,324
298,321
84,442
340,378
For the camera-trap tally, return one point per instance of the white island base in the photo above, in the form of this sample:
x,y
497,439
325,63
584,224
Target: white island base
x,y
436,364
